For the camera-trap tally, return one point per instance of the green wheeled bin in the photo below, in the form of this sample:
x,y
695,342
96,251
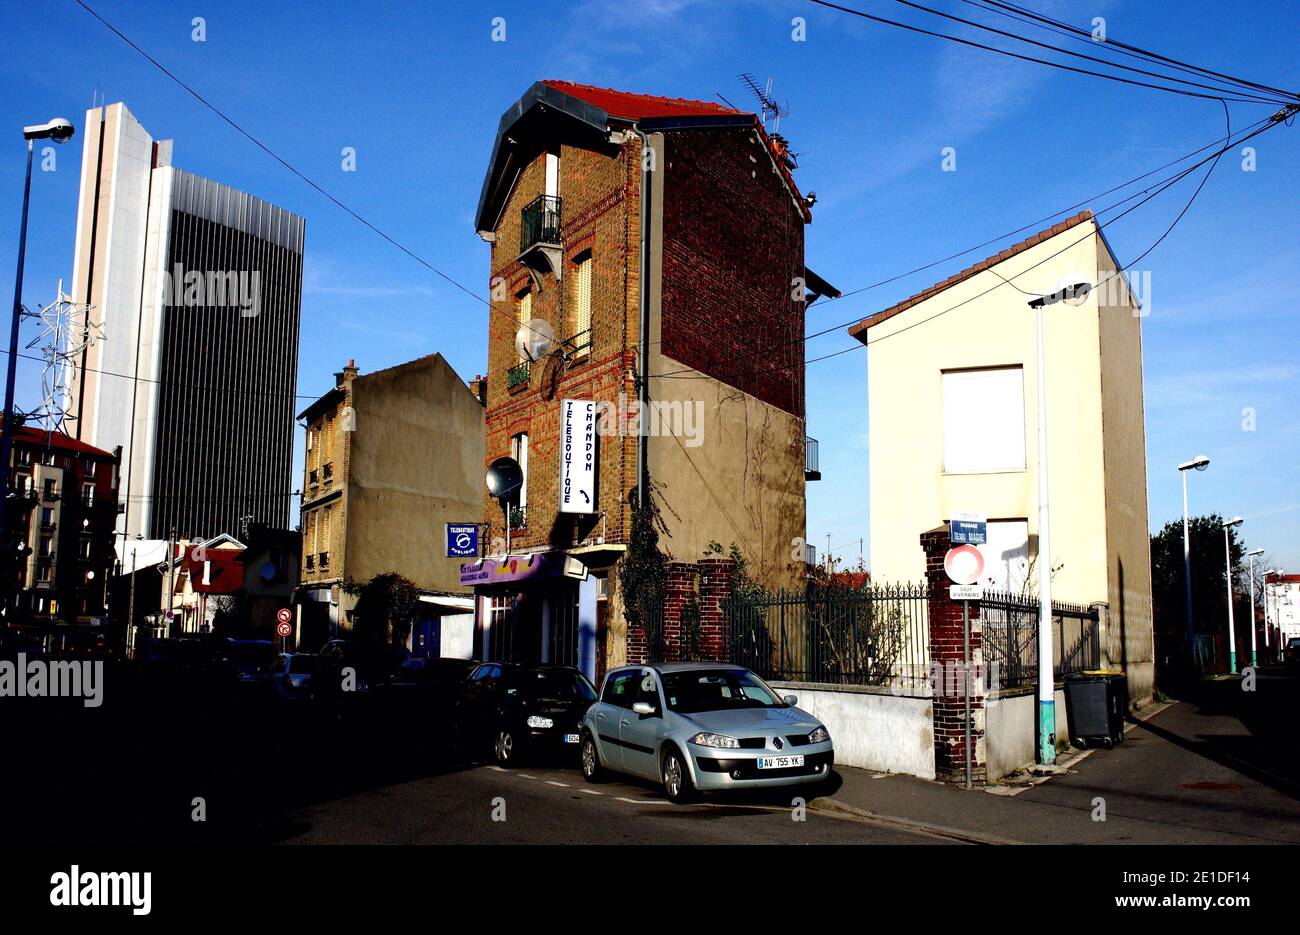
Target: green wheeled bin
x,y
1095,705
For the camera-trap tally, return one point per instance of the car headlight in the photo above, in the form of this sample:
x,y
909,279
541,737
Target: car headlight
x,y
705,739
820,735
538,721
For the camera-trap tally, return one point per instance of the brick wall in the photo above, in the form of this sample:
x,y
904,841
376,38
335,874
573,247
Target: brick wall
x,y
708,584
600,216
733,243
947,656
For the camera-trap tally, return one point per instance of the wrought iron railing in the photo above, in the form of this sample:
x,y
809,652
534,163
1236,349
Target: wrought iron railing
x,y
518,375
577,344
539,222
872,636
1009,638
811,462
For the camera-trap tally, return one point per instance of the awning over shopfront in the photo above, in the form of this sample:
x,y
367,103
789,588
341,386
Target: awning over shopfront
x,y
512,569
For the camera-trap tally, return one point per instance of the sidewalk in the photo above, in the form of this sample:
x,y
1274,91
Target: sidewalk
x,y
1170,782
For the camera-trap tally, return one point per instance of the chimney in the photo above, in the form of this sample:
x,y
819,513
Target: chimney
x,y
347,374
478,386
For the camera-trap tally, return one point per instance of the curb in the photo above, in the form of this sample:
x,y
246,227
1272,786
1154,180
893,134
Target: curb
x,y
907,824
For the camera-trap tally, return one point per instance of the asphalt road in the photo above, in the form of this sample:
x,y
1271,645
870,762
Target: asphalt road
x,y
529,805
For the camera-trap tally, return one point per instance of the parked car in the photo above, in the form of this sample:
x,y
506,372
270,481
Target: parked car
x,y
289,675
522,711
347,672
702,726
1291,652
247,659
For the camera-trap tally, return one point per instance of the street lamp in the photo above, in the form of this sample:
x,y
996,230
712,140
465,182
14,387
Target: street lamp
x,y
1071,295
1251,556
1227,551
1199,463
60,131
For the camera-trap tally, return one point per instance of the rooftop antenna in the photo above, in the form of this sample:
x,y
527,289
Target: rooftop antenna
x,y
769,108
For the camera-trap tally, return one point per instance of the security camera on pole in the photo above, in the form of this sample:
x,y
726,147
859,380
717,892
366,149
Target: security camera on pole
x,y
1071,295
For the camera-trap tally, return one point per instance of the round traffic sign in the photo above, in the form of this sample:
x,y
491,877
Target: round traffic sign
x,y
284,615
283,628
964,564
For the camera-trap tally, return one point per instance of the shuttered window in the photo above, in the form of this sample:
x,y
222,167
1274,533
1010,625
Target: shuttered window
x,y
582,308
525,315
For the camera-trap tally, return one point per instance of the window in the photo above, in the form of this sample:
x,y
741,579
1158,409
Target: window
x,y
325,529
91,467
983,420
525,309
620,688
311,533
87,494
552,175
47,546
85,548
47,516
581,333
519,451
24,456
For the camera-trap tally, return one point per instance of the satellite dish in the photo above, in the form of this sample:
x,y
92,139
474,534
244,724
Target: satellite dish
x,y
535,339
504,479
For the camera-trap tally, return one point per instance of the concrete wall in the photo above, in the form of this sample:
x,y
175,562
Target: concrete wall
x,y
1129,641
415,464
1011,729
870,727
910,489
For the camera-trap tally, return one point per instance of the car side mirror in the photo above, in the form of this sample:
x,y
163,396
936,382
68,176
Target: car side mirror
x,y
643,708
791,700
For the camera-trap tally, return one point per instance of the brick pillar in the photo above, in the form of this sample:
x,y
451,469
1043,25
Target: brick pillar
x,y
946,657
715,617
679,590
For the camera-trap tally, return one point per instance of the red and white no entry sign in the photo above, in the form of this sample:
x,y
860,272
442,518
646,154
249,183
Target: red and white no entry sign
x,y
284,615
964,564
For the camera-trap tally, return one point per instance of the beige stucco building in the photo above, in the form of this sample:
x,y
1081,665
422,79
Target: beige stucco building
x,y
391,458
952,404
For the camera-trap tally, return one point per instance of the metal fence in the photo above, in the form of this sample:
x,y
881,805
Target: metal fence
x,y
1009,637
679,644
874,636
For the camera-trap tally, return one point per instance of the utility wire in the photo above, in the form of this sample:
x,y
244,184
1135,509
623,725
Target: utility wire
x,y
1047,22
1271,99
1029,58
1258,127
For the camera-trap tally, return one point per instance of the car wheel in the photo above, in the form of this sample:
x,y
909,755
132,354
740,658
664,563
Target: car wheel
x,y
503,748
676,778
592,771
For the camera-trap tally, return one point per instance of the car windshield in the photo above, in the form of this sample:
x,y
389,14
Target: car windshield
x,y
554,685
717,690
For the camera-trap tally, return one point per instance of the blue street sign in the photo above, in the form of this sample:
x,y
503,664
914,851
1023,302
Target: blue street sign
x,y
968,529
462,540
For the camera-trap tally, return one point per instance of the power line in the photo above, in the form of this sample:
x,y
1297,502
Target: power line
x,y
293,169
1046,22
1258,127
1161,188
1271,99
1030,58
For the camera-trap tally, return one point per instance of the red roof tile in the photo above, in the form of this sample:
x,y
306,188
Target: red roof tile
x,y
225,570
859,330
44,438
629,106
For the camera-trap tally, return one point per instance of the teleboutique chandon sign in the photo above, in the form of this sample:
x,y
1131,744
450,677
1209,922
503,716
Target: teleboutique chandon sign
x,y
577,456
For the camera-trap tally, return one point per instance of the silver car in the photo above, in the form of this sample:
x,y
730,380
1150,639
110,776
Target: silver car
x,y
701,726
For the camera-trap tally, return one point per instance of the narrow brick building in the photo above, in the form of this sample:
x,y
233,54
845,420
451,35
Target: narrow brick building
x,y
694,385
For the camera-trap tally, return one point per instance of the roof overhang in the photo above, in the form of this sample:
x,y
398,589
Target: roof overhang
x,y
520,118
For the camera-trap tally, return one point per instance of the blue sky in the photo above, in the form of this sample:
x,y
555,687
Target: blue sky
x,y
418,89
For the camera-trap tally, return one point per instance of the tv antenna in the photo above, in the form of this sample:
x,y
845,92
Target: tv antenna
x,y
770,108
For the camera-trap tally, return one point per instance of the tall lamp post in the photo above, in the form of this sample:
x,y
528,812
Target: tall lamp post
x,y
1254,659
1199,463
1071,295
60,131
1227,551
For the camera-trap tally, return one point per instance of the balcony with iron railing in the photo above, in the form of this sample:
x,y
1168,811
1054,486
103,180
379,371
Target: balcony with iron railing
x,y
518,375
811,463
539,235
